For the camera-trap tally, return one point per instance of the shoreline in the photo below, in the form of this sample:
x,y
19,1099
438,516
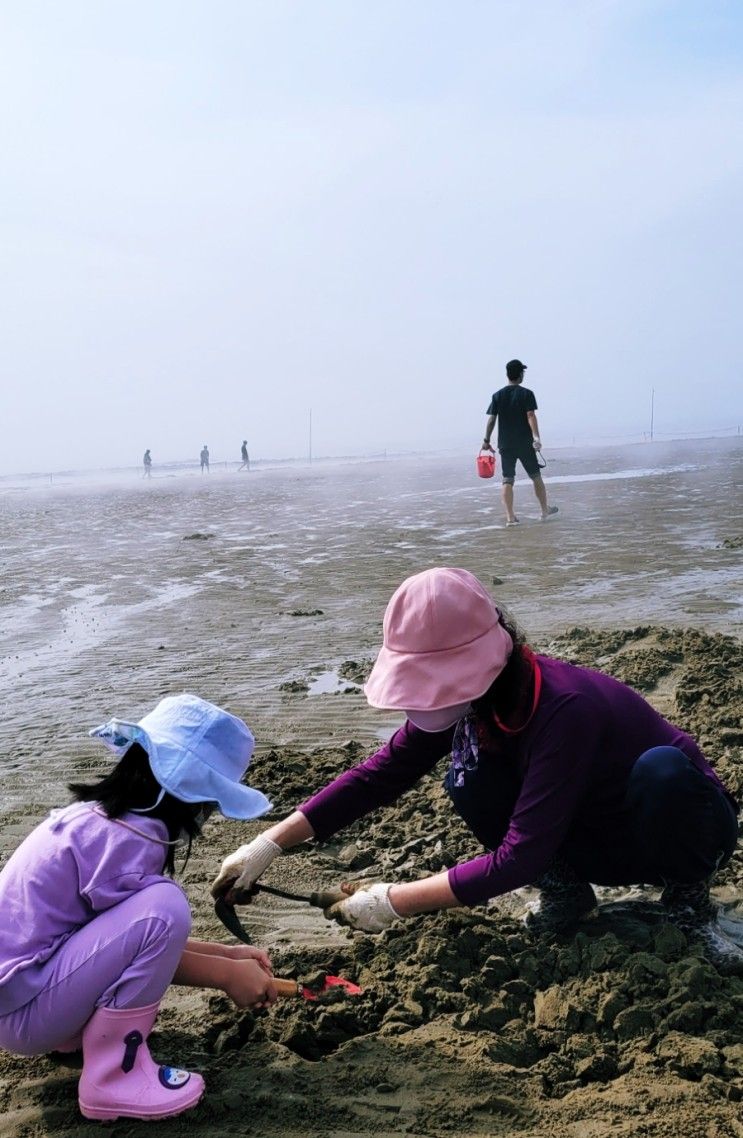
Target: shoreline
x,y
17,480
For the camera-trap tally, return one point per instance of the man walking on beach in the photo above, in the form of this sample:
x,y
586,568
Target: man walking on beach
x,y
147,463
515,408
204,456
244,456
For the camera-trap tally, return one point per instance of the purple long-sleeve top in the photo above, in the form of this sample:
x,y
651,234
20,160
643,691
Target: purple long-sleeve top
x,y
574,757
73,865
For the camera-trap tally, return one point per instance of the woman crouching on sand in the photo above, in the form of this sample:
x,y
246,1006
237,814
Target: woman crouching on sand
x,y
565,775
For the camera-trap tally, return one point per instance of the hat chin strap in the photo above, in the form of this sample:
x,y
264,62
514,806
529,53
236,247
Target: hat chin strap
x,y
147,809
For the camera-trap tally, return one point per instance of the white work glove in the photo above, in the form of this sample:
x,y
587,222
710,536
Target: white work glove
x,y
537,444
367,910
241,869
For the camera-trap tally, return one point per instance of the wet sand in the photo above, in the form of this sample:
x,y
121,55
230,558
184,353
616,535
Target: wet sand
x,y
265,593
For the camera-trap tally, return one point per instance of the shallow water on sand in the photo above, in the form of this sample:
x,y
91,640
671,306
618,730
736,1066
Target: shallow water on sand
x,y
113,596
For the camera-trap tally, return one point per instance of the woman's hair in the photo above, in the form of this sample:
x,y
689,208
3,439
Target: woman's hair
x,y
513,685
131,785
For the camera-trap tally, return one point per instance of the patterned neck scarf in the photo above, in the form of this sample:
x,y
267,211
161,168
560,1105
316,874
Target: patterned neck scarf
x,y
469,732
465,748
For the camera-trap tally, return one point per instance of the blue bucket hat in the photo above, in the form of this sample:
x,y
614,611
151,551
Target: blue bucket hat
x,y
197,752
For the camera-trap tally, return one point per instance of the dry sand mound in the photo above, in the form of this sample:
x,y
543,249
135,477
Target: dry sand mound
x,y
467,1024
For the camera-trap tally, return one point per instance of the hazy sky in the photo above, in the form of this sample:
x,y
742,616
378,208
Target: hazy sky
x,y
216,216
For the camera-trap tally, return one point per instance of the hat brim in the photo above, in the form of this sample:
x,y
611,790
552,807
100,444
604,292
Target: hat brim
x,y
234,800
429,681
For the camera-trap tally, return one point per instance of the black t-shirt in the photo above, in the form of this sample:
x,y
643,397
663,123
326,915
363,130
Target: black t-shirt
x,y
510,404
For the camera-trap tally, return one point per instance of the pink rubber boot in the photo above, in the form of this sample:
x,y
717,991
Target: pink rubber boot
x,y
120,1079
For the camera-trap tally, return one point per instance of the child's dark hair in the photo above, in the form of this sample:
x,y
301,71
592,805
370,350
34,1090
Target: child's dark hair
x,y
131,785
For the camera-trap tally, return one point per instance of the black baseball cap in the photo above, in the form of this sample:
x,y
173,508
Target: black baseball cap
x,y
514,368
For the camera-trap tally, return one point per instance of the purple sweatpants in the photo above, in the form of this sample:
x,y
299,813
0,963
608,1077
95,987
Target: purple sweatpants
x,y
124,958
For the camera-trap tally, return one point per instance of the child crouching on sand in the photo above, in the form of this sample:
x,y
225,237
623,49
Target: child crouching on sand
x,y
93,931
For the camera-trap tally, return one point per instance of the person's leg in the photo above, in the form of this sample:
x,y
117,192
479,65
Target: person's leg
x,y
689,830
541,492
508,468
507,499
124,958
676,829
684,826
673,824
530,463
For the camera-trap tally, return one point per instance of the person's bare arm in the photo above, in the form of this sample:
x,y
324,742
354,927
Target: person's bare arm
x,y
290,831
488,432
531,417
424,896
231,951
245,981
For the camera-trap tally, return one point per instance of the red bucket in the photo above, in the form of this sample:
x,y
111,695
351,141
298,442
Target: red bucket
x,y
485,464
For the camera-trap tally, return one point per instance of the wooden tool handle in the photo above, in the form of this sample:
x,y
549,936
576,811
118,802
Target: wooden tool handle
x,y
287,987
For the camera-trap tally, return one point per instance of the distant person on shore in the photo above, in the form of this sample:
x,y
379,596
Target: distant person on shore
x,y
204,458
94,927
515,408
245,465
565,775
147,462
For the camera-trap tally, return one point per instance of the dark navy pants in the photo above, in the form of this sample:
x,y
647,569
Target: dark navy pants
x,y
674,823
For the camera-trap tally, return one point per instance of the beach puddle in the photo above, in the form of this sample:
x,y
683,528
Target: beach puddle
x,y
331,683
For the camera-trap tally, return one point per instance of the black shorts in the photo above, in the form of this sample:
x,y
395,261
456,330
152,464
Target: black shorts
x,y
526,455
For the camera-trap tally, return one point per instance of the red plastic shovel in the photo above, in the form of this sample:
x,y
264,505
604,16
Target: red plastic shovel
x,y
331,983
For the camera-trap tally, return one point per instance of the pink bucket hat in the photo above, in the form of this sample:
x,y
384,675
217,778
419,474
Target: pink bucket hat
x,y
443,643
